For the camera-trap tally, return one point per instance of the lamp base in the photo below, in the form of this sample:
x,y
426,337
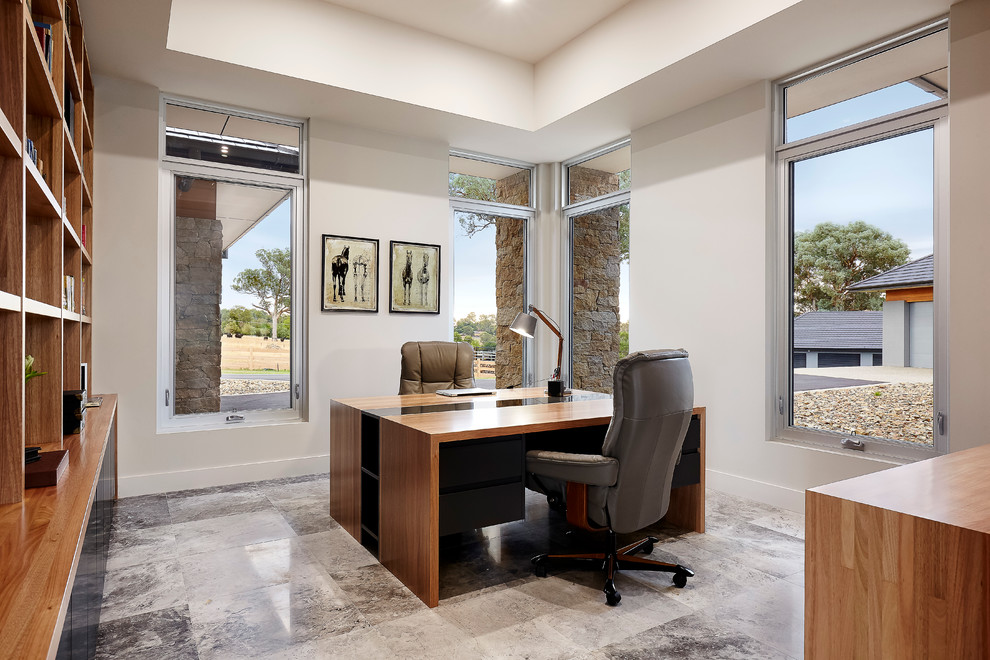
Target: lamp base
x,y
555,388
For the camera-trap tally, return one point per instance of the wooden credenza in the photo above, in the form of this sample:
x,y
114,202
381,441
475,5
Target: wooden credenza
x,y
898,562
53,549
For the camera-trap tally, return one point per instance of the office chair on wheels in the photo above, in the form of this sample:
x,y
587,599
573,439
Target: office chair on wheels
x,y
428,366
627,486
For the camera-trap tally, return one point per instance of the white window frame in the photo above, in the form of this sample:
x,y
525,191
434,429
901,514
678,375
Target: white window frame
x,y
571,211
929,116
525,213
171,167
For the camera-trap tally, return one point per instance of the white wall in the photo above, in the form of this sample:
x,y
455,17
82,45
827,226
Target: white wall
x,y
698,280
362,184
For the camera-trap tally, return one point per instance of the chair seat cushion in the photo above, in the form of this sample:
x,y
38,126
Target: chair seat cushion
x,y
591,469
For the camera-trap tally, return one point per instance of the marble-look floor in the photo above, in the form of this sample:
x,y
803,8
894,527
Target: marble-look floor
x,y
262,570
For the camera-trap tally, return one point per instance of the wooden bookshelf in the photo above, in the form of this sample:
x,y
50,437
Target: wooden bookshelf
x,y
46,223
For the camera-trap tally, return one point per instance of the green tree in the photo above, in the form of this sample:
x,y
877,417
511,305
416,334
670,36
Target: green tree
x,y
270,284
285,327
624,339
830,257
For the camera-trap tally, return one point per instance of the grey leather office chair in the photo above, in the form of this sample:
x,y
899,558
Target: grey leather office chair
x,y
627,486
428,366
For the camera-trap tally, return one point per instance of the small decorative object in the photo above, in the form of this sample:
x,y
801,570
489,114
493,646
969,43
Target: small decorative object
x,y
414,278
29,371
47,470
73,411
350,274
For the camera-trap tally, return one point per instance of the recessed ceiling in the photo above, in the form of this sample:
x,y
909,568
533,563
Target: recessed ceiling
x,y
526,30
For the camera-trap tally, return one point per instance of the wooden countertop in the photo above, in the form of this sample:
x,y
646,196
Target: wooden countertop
x,y
40,542
953,489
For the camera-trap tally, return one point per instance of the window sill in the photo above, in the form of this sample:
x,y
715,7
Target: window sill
x,y
877,451
200,423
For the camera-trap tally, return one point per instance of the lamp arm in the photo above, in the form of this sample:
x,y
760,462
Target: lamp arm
x,y
560,338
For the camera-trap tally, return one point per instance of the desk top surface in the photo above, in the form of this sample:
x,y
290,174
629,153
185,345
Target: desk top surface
x,y
953,489
521,410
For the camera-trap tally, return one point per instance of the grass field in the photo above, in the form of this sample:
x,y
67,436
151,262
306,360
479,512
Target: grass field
x,y
253,354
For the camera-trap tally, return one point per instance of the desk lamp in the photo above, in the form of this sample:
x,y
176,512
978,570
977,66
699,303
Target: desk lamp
x,y
525,325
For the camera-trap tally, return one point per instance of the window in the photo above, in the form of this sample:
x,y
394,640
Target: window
x,y
490,210
861,356
597,216
231,267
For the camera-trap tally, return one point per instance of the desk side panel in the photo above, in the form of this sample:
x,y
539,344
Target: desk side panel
x,y
885,584
345,467
409,517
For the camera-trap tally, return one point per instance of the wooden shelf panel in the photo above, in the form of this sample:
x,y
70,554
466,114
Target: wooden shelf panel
x,y
43,395
72,162
10,302
71,73
42,99
87,259
86,319
33,307
12,405
47,8
40,200
10,142
73,238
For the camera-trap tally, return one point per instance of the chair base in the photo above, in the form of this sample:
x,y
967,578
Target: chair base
x,y
615,560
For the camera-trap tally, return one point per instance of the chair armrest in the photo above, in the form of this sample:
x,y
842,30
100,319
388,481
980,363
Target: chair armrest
x,y
591,469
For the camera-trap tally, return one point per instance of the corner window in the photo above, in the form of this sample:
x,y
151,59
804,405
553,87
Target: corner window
x,y
491,212
597,216
861,160
230,286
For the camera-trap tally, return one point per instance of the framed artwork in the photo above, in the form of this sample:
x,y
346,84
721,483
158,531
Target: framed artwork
x,y
350,274
414,278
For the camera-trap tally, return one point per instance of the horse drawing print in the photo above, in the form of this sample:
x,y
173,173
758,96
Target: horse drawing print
x,y
360,276
407,278
338,273
424,279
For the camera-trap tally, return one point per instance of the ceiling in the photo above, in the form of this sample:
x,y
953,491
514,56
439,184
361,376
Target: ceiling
x,y
526,30
646,61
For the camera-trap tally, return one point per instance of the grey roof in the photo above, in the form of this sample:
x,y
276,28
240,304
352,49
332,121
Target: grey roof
x,y
839,331
920,272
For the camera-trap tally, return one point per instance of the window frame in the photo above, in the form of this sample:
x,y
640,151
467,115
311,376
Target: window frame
x,y
568,213
525,213
932,116
171,167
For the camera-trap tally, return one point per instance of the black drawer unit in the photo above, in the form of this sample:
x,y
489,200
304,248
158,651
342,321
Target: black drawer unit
x,y
480,507
688,471
481,483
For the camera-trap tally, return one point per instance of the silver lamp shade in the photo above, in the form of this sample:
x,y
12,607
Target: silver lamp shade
x,y
524,324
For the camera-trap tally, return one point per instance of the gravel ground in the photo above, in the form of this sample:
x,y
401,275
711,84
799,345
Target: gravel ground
x,y
900,411
230,386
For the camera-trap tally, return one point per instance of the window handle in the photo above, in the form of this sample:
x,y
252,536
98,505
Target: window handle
x,y
166,398
232,419
297,390
852,443
940,423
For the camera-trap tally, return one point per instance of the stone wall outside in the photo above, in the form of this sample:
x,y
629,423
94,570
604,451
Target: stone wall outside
x,y
510,279
198,268
596,247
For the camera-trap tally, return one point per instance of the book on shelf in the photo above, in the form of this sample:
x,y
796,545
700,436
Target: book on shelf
x,y
44,31
69,293
68,21
32,151
70,112
82,292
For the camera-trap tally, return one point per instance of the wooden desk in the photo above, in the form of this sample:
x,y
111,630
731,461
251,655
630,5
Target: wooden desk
x,y
388,488
898,562
55,540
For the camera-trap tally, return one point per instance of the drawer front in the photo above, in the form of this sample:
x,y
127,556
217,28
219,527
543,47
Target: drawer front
x,y
688,471
475,462
481,507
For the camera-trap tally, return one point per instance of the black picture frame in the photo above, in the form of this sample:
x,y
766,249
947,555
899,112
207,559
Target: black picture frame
x,y
416,295
360,277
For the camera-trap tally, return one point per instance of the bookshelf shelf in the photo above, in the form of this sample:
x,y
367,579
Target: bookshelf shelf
x,y
46,214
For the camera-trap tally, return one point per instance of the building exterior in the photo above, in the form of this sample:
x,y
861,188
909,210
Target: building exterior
x,y
838,339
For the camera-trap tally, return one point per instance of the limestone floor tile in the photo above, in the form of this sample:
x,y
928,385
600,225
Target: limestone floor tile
x,y
313,491
692,637
772,614
142,588
361,643
785,522
533,640
378,594
307,517
216,534
271,620
140,545
186,508
492,611
150,636
245,568
757,547
797,578
336,550
425,634
140,512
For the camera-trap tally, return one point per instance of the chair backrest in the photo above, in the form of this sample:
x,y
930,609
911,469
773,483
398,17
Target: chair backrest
x,y
653,395
428,366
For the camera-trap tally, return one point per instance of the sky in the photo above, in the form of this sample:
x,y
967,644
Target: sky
x,y
272,232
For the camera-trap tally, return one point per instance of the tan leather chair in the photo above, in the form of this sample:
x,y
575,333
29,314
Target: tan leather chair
x,y
428,366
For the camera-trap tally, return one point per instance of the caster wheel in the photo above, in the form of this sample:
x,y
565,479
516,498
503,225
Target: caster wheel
x,y
680,580
539,567
541,571
612,598
647,549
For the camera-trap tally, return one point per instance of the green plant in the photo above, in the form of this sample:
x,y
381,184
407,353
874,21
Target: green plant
x,y
29,371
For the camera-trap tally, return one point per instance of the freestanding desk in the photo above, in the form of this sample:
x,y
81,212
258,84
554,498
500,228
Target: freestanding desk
x,y
405,470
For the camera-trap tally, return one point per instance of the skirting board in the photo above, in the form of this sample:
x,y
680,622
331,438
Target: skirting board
x,y
162,482
785,498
